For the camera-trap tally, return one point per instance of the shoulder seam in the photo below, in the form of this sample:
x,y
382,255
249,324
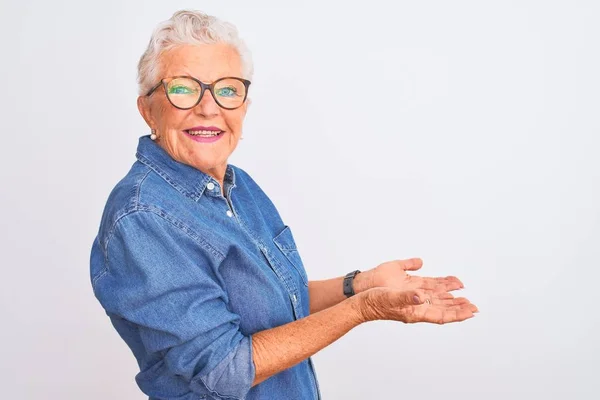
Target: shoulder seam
x,y
138,186
131,206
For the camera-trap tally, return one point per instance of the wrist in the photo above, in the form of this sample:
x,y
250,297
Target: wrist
x,y
358,305
363,282
366,305
369,303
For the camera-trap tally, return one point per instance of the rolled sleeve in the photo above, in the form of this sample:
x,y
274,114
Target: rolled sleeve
x,y
164,278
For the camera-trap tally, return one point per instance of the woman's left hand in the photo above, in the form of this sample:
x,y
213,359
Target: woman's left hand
x,y
393,274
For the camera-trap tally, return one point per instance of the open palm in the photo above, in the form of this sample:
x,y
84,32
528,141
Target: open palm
x,y
393,274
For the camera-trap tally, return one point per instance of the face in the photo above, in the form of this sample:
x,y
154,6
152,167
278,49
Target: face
x,y
206,63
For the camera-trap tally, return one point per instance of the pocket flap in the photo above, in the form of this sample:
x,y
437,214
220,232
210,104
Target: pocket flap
x,y
285,240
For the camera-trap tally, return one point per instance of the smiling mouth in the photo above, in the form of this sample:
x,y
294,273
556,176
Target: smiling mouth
x,y
203,133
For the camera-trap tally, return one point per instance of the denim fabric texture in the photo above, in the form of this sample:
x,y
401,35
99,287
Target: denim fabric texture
x,y
187,276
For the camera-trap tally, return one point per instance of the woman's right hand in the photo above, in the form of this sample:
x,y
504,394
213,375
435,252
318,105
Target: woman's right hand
x,y
412,306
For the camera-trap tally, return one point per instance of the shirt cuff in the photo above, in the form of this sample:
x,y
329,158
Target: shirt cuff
x,y
232,378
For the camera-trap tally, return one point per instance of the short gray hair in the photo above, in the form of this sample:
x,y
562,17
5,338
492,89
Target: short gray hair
x,y
187,27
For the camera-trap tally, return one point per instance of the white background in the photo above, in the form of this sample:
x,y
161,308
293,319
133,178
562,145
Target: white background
x,y
464,133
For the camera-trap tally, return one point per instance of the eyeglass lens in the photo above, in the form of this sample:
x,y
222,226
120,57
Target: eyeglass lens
x,y
184,92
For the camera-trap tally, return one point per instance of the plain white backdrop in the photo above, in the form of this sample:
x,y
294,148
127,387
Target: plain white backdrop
x,y
465,133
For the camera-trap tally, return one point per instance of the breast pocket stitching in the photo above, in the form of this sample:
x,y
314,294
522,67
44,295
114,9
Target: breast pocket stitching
x,y
285,242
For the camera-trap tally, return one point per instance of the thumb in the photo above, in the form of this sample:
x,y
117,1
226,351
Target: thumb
x,y
412,264
410,298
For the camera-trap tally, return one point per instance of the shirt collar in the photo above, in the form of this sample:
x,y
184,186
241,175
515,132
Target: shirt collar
x,y
185,178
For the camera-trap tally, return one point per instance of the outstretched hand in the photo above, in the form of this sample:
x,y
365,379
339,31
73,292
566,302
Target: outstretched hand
x,y
414,306
394,274
410,298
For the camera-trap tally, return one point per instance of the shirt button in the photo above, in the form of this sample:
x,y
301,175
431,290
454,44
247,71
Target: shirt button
x,y
229,213
294,297
210,186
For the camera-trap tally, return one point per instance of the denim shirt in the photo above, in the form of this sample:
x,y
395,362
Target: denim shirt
x,y
187,276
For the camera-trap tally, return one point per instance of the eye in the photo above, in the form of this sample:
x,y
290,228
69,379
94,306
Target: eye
x,y
227,91
180,89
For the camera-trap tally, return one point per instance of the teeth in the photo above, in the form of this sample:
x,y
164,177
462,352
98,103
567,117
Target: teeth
x,y
204,133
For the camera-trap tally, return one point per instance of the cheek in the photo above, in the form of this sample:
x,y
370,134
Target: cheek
x,y
170,117
234,121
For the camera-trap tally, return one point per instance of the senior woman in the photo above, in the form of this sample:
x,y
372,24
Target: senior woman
x,y
192,262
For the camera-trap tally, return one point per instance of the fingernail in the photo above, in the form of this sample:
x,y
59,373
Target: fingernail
x,y
416,299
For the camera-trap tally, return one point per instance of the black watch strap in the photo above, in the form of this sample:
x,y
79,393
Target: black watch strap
x,y
348,283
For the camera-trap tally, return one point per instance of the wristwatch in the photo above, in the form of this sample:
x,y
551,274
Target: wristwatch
x,y
348,283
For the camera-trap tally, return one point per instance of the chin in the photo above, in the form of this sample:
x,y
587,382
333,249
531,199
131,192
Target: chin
x,y
206,161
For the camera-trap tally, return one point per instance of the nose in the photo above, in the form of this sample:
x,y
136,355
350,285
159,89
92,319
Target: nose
x,y
207,107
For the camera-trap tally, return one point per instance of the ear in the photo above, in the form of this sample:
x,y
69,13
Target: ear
x,y
144,109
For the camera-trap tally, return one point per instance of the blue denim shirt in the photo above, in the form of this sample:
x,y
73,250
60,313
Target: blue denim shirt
x,y
187,275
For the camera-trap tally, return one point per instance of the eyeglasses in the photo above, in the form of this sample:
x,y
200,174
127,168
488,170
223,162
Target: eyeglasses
x,y
185,92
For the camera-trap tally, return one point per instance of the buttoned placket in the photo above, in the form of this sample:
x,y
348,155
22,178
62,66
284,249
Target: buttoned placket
x,y
214,189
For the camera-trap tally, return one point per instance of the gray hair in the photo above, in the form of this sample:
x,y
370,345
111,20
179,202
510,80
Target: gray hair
x,y
188,27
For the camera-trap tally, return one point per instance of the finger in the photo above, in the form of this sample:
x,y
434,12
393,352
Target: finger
x,y
438,285
456,301
443,295
465,306
451,302
411,264
450,279
427,284
456,315
448,283
439,295
442,315
453,283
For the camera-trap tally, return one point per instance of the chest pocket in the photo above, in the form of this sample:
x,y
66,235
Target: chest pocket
x,y
285,242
